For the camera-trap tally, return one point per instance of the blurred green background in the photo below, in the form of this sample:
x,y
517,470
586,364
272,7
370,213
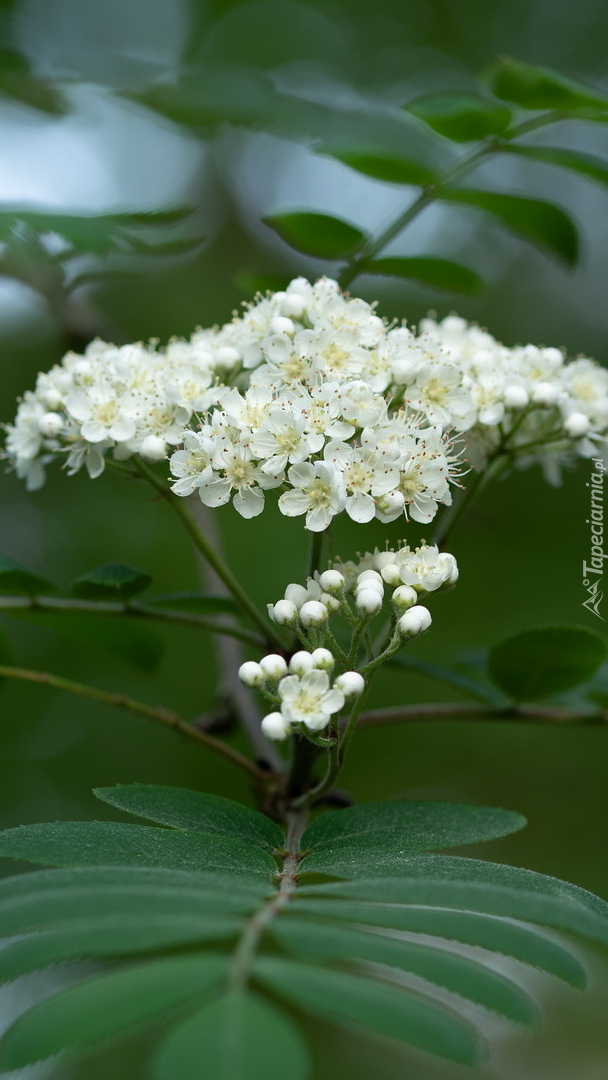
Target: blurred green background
x,y
216,106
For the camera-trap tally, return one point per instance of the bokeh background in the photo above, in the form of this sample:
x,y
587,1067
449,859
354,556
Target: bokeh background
x,y
216,106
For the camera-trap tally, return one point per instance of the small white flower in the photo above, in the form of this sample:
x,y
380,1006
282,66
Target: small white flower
x,y
545,394
275,726
316,493
351,683
390,573
274,666
153,448
577,425
50,424
251,674
415,621
308,700
516,397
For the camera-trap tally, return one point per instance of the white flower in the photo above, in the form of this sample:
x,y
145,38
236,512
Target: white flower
x,y
309,700
415,621
576,425
426,569
316,493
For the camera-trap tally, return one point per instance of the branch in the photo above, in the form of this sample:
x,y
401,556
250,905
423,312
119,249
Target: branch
x,y
450,710
132,609
165,717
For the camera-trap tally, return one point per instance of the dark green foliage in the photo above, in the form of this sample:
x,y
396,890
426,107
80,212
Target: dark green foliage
x,y
170,906
533,87
197,602
15,580
536,663
585,164
380,163
114,581
459,116
319,235
439,273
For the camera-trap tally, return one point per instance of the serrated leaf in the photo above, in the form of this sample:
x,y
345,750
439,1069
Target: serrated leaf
x,y
379,163
497,935
585,164
240,1037
198,602
380,837
547,660
183,809
106,1006
460,116
119,936
473,980
439,273
105,843
15,580
533,87
114,581
386,1010
542,223
319,235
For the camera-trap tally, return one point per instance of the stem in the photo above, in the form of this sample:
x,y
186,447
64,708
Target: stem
x,y
130,609
316,550
244,954
206,549
165,717
456,512
448,710
305,757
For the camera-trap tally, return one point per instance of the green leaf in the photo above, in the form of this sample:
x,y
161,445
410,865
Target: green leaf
x,y
97,233
137,644
545,661
240,1037
319,235
106,1006
459,116
533,87
439,273
183,809
18,81
380,163
197,602
543,223
380,837
386,1010
114,581
585,164
472,687
327,941
105,843
15,580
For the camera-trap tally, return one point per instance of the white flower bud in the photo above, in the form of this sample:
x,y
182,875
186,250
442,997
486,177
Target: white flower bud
x,y
227,357
331,603
313,613
370,579
298,594
448,564
52,398
516,397
404,371
391,574
82,369
388,507
275,726
382,559
577,425
284,613
369,602
332,581
323,659
415,621
301,662
404,597
293,306
251,674
153,448
351,683
274,666
282,325
50,425
545,393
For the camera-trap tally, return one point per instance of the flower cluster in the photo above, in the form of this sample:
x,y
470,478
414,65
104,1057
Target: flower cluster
x,y
310,393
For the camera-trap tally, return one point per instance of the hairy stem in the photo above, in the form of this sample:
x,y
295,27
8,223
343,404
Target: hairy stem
x,y
165,717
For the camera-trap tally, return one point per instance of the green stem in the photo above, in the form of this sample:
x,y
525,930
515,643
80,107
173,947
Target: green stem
x,y
206,549
165,717
456,512
316,551
442,711
130,609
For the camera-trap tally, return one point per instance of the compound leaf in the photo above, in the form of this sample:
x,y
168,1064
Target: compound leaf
x,y
459,116
533,87
439,273
380,163
585,164
319,235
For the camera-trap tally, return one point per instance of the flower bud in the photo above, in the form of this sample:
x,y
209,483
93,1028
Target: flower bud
x,y
275,726
52,398
545,393
227,357
298,594
50,425
274,666
577,425
331,603
332,581
323,659
404,371
351,683
404,597
314,614
388,507
251,674
391,573
153,448
282,325
370,579
516,397
293,306
369,602
382,559
415,621
284,613
449,566
301,662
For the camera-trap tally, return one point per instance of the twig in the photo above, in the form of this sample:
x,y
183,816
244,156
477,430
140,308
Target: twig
x,y
449,710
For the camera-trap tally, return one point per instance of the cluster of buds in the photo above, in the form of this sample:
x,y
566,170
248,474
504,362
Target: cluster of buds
x,y
302,689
